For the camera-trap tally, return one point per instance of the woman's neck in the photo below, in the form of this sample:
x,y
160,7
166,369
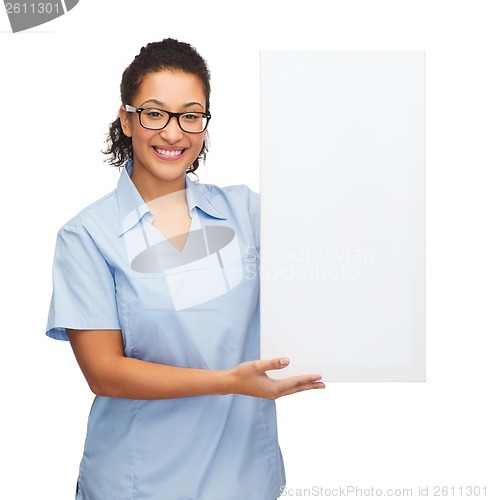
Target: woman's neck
x,y
163,191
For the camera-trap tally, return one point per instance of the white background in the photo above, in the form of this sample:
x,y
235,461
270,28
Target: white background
x,y
59,90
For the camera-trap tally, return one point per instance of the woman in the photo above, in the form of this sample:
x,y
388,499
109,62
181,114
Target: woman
x,y
156,288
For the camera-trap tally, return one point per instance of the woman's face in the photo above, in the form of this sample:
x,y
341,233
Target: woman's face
x,y
163,156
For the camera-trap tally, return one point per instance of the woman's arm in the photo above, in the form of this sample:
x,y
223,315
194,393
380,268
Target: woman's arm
x,y
108,372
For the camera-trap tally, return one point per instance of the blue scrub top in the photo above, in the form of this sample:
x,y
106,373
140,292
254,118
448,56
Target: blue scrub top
x,y
197,308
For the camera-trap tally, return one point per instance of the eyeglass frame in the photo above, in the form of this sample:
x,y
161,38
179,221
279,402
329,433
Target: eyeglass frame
x,y
132,109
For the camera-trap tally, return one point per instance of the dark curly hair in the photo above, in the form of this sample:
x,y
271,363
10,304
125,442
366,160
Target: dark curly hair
x,y
156,56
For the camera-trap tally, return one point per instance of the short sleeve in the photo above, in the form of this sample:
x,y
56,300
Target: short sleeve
x,y
84,295
254,211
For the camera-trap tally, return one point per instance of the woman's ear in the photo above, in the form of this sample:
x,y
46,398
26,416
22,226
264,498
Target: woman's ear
x,y
125,122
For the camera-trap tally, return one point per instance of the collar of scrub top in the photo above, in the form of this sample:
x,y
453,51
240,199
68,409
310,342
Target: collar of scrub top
x,y
132,206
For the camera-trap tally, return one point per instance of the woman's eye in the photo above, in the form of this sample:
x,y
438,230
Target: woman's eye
x,y
153,113
191,116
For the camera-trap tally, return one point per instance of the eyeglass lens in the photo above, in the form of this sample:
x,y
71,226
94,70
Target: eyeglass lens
x,y
157,119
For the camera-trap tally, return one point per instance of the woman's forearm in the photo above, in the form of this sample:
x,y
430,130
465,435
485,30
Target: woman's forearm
x,y
100,354
108,372
131,378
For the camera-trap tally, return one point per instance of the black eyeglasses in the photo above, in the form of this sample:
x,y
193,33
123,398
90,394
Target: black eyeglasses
x,y
192,122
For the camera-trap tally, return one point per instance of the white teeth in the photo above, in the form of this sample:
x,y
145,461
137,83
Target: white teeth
x,y
169,153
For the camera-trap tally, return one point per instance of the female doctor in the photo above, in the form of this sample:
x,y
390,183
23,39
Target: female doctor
x,y
156,286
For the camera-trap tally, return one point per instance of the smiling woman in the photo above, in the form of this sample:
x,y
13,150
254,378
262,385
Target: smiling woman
x,y
150,290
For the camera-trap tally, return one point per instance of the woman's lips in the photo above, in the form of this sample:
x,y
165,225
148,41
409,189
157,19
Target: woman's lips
x,y
170,153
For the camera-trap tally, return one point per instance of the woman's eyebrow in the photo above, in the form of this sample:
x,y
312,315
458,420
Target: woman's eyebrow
x,y
160,103
189,104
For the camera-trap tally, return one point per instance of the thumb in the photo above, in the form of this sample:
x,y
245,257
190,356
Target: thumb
x,y
276,363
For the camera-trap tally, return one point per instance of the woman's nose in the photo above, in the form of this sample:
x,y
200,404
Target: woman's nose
x,y
172,132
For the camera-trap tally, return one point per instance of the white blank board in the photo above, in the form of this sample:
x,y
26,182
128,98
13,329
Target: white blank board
x,y
342,213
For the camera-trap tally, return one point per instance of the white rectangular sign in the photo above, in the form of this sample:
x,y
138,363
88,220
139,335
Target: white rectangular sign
x,y
343,213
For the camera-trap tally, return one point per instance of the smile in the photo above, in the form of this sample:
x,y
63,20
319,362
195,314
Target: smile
x,y
165,152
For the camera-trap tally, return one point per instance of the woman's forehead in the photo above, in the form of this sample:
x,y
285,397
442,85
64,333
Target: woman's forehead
x,y
172,87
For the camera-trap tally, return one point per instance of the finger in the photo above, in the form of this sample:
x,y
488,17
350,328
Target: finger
x,y
273,364
301,388
300,379
296,383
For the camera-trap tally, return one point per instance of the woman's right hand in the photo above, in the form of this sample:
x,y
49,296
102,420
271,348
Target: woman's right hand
x,y
250,379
